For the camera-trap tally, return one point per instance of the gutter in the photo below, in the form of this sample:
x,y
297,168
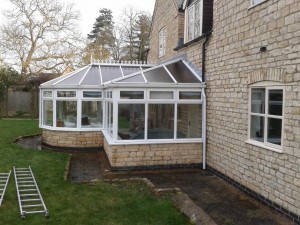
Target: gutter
x,y
207,36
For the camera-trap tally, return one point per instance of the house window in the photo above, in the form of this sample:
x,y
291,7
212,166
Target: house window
x,y
266,116
255,2
162,42
194,21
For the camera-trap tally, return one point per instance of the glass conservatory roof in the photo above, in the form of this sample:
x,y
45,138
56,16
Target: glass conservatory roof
x,y
96,74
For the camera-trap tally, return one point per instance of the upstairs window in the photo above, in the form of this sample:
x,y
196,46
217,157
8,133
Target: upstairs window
x,y
266,116
194,20
162,42
255,2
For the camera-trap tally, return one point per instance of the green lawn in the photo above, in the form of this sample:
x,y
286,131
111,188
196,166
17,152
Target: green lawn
x,y
74,203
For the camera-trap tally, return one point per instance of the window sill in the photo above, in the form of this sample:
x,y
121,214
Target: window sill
x,y
258,144
192,41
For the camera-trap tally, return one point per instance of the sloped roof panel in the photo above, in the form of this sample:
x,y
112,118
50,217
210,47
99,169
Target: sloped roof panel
x,y
93,77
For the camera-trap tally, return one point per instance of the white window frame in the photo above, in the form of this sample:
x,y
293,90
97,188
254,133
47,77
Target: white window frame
x,y
192,7
265,144
162,42
254,3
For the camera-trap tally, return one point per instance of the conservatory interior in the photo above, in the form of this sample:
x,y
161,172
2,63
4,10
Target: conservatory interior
x,y
142,115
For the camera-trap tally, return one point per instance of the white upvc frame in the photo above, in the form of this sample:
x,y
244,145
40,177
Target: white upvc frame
x,y
79,98
267,86
116,100
186,24
256,2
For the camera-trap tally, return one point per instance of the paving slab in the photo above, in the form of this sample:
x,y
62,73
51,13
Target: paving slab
x,y
222,202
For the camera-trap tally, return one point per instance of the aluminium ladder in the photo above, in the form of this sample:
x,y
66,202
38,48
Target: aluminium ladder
x,y
4,178
29,196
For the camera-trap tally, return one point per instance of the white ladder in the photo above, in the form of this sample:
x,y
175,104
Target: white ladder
x,y
29,196
4,178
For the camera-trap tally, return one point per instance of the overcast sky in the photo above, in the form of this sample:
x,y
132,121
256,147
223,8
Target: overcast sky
x,y
89,9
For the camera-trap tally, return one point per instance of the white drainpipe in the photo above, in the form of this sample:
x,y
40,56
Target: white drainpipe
x,y
204,128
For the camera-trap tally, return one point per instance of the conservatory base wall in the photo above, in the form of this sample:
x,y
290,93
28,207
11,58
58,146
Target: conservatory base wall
x,y
154,156
72,139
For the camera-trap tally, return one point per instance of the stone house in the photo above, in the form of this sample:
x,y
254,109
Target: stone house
x,y
249,55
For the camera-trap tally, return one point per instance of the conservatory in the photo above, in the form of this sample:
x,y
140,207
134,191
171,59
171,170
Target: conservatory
x,y
141,115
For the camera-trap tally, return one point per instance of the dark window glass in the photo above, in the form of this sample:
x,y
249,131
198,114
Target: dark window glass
x,y
257,128
131,94
274,131
275,102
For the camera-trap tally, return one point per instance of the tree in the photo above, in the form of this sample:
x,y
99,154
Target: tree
x,y
41,35
101,39
136,31
9,77
144,25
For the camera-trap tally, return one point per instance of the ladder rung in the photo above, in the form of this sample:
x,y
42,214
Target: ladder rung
x,y
25,182
25,185
31,200
24,178
32,212
24,195
32,206
27,190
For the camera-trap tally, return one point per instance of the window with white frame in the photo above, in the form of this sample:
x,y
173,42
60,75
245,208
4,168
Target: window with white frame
x,y
194,20
162,42
266,116
255,2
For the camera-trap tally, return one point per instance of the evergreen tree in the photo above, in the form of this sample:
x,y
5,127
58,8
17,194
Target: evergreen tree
x,y
102,36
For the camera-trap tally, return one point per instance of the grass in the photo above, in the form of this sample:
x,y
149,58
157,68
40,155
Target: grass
x,y
76,203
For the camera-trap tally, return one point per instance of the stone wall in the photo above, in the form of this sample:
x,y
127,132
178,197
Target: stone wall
x,y
72,139
165,15
234,62
153,155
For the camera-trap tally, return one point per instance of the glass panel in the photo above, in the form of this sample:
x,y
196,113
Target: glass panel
x,y
161,121
182,73
128,70
158,75
134,79
257,128
91,114
48,112
254,2
131,121
110,72
274,131
197,19
66,94
189,95
47,94
190,23
92,77
161,94
131,94
74,79
189,122
66,114
92,94
258,100
275,102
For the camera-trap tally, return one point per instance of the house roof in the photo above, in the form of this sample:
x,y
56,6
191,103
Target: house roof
x,y
108,74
